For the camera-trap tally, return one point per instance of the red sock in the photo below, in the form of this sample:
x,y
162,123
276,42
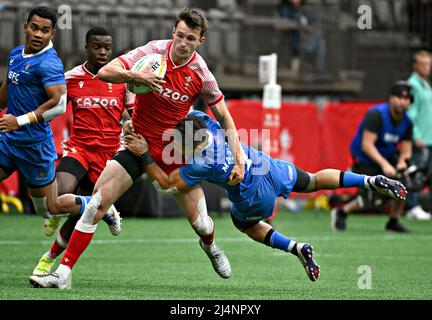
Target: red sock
x,y
78,242
208,239
56,249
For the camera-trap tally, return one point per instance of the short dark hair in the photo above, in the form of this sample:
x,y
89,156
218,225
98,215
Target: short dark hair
x,y
196,123
44,12
193,19
97,31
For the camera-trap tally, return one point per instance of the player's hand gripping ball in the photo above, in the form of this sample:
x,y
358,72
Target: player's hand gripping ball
x,y
157,65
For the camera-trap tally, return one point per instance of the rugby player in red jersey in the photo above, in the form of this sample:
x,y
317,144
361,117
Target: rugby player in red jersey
x,y
98,108
186,78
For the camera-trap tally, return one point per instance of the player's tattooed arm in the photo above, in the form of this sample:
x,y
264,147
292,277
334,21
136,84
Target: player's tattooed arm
x,y
220,111
137,145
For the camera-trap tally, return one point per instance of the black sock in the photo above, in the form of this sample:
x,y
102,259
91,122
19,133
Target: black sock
x,y
294,250
393,220
267,237
342,211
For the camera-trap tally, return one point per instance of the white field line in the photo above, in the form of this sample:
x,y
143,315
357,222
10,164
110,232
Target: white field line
x,y
303,238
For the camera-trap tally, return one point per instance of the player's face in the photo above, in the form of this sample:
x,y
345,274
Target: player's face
x,y
422,66
186,40
99,50
400,104
39,31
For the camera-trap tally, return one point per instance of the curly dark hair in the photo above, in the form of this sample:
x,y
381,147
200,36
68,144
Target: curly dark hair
x,y
185,125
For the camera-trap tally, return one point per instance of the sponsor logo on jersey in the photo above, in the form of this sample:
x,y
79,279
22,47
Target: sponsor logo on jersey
x,y
173,95
81,84
27,66
390,137
97,102
11,61
13,76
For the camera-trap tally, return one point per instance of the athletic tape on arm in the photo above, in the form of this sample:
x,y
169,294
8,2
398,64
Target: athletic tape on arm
x,y
57,110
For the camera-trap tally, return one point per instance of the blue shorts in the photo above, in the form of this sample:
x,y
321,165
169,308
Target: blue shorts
x,y
279,181
35,162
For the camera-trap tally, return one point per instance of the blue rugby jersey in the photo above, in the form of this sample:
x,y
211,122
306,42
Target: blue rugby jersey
x,y
27,77
216,161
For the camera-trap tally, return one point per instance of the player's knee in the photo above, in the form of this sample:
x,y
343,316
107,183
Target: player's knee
x,y
42,209
203,225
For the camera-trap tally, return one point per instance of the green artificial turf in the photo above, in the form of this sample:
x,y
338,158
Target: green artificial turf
x,y
161,259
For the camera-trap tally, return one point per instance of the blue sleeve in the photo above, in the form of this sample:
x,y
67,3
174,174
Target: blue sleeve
x,y
194,173
52,72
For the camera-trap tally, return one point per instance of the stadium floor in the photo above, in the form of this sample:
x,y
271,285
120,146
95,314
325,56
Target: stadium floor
x,y
160,259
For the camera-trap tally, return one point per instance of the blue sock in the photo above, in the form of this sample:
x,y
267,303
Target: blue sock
x,y
279,241
350,179
84,201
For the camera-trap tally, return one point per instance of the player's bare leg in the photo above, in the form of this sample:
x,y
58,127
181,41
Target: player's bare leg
x,y
194,205
112,183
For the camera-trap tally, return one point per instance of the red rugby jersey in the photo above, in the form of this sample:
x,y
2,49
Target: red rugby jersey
x,y
156,112
97,108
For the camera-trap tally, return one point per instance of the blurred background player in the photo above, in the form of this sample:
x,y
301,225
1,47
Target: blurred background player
x,y
208,157
375,151
97,109
186,78
34,94
420,113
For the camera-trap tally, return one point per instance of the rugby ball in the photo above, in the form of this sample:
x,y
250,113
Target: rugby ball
x,y
157,64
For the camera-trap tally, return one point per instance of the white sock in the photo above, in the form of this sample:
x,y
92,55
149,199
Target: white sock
x,y
63,271
49,255
366,182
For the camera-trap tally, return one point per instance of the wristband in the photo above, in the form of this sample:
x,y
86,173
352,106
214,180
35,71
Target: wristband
x,y
26,119
146,158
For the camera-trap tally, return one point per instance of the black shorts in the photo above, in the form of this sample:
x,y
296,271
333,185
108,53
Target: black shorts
x,y
300,185
75,168
243,225
131,163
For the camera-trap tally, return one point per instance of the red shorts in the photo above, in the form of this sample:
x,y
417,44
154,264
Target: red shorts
x,y
163,153
93,161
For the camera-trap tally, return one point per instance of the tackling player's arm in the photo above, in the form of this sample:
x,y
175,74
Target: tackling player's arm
x,y
53,107
171,183
405,150
220,111
115,72
368,147
3,95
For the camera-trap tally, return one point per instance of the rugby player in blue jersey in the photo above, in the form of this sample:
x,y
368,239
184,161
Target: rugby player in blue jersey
x,y
201,141
34,94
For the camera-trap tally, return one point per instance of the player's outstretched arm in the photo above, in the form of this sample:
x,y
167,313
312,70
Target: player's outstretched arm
x,y
53,107
137,144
